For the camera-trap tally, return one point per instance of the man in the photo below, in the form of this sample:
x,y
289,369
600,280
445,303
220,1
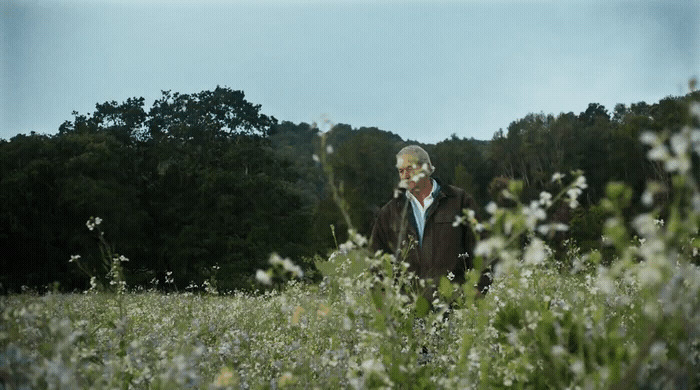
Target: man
x,y
425,214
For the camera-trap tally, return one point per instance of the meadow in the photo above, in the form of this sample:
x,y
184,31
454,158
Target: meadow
x,y
624,317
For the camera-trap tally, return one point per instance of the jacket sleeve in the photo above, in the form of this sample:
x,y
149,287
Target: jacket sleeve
x,y
378,239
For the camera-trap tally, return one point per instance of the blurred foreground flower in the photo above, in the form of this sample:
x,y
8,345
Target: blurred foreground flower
x,y
263,277
281,271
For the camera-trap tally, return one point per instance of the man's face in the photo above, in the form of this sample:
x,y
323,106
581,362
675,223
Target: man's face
x,y
409,171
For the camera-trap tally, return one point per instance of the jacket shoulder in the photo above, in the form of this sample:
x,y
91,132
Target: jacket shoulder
x,y
466,198
390,205
451,190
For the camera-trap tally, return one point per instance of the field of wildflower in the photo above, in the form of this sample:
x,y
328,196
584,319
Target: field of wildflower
x,y
629,319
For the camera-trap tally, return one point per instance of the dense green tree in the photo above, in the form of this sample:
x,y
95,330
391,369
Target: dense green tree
x,y
461,162
364,164
190,184
30,218
205,179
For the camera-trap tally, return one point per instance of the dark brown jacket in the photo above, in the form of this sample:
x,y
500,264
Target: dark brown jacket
x,y
445,248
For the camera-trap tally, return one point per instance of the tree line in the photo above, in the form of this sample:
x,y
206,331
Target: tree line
x,y
205,186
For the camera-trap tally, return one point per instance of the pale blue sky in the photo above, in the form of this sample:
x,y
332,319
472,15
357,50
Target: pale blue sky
x,y
421,69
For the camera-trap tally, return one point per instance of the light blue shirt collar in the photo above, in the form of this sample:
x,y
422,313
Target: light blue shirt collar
x,y
419,212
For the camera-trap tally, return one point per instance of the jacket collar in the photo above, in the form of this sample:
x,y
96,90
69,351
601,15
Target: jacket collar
x,y
443,191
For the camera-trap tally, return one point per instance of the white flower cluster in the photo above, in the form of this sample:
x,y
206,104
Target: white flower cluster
x,y
120,259
263,277
355,240
677,158
287,265
277,262
575,191
468,217
533,213
93,222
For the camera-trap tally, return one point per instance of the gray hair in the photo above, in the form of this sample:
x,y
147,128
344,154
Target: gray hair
x,y
420,154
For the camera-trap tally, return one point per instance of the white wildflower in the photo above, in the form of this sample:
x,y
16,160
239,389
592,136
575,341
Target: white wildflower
x,y
74,258
558,351
533,213
491,208
275,259
459,220
286,264
507,195
652,249
581,182
658,153
315,158
489,246
545,199
573,194
679,142
695,139
450,276
346,246
358,238
329,149
649,138
532,318
645,224
372,365
649,275
552,227
647,198
678,164
263,277
577,367
557,176
658,351
695,109
293,268
419,175
536,252
605,284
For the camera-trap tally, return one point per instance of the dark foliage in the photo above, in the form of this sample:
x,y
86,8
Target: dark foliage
x,y
205,179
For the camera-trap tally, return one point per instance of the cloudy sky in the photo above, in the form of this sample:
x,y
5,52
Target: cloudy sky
x,y
421,69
